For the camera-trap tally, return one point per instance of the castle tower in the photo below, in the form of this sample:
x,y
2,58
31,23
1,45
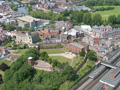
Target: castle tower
x,y
30,61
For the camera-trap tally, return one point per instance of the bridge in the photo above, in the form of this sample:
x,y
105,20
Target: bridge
x,y
109,65
21,5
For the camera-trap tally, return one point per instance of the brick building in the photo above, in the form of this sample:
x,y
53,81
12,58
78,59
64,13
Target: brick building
x,y
77,47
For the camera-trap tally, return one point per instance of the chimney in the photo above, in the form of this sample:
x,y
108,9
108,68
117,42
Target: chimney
x,y
30,61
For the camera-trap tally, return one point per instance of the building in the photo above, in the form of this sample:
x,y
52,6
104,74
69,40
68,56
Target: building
x,y
27,37
3,52
28,21
3,38
77,47
100,31
112,78
86,28
78,8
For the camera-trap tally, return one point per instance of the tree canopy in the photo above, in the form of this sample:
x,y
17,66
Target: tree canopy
x,y
92,55
22,76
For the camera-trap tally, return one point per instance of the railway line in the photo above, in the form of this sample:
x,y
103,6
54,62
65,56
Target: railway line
x,y
87,85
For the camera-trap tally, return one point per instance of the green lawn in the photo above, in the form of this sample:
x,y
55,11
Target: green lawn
x,y
106,14
20,51
52,51
65,48
66,85
61,59
77,62
49,51
6,62
9,44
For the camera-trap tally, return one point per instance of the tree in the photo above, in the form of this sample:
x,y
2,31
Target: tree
x,y
75,40
9,38
68,72
65,13
29,8
82,53
43,54
10,27
31,29
87,18
3,67
55,62
52,21
118,19
80,17
19,28
25,29
32,50
43,27
14,36
92,55
112,19
97,19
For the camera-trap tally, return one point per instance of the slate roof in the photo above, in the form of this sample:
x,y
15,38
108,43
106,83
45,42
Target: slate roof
x,y
76,45
102,26
113,82
108,26
98,31
95,26
113,31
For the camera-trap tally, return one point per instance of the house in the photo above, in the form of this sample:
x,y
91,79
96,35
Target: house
x,y
3,52
78,8
27,37
102,28
1,29
86,28
47,5
12,33
49,32
71,32
3,38
77,47
98,33
28,21
114,33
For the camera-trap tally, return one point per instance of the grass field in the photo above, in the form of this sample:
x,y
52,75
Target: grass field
x,y
6,62
20,51
52,51
77,60
106,14
61,59
49,51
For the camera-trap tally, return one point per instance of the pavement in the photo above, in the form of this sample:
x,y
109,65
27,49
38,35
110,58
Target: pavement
x,y
67,55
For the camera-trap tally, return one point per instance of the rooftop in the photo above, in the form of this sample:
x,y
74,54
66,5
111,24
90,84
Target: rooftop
x,y
76,45
113,82
28,19
98,31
